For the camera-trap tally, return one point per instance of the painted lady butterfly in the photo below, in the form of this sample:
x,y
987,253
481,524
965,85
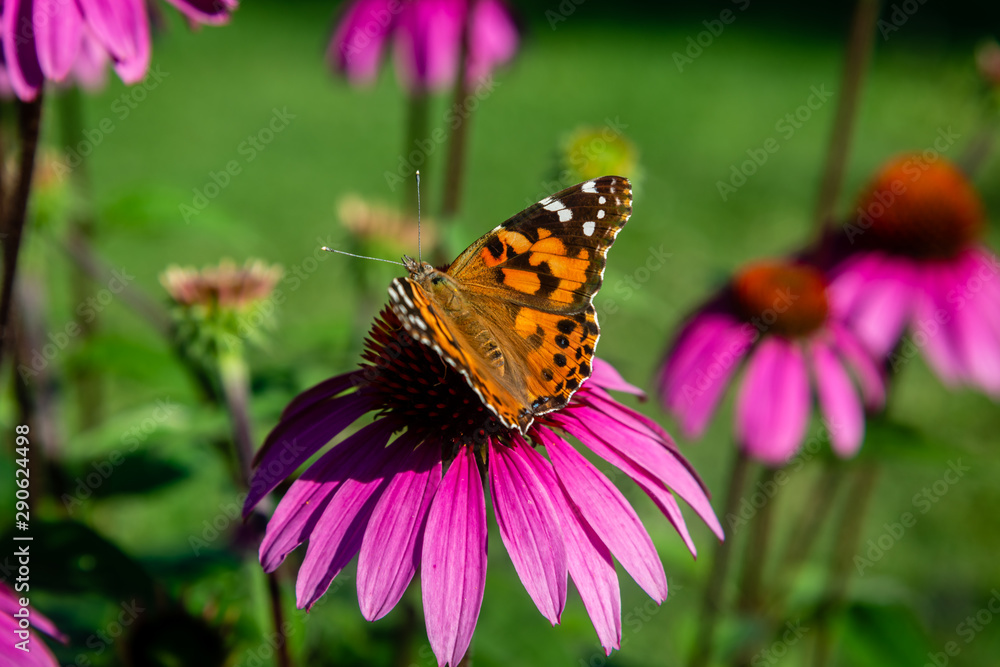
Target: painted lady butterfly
x,y
514,313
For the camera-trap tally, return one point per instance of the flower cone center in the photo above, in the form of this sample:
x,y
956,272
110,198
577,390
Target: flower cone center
x,y
786,299
421,391
920,208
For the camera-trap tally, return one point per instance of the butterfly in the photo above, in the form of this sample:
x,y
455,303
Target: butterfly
x,y
514,313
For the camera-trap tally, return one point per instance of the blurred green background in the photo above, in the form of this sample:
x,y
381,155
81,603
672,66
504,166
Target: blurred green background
x,y
603,62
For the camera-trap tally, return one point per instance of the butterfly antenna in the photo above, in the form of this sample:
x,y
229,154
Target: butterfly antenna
x,y
351,254
419,257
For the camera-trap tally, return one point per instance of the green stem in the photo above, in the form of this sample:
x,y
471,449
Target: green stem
x,y
416,134
459,134
81,227
14,214
846,542
857,57
714,591
235,378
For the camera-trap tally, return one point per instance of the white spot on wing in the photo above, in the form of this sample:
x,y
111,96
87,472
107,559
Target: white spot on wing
x,y
565,215
600,214
589,187
554,205
601,200
588,227
545,202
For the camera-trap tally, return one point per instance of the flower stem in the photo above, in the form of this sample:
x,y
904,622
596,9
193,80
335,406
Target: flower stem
x,y
712,602
416,133
856,59
81,226
277,615
236,392
12,216
455,164
846,546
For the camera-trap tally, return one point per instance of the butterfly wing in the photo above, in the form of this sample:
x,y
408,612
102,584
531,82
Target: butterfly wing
x,y
525,335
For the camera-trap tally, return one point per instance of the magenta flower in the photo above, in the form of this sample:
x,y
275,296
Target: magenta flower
x,y
21,646
59,40
427,40
776,317
917,264
419,501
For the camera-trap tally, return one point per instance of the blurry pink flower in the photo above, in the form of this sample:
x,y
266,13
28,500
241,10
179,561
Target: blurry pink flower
x,y
60,40
917,263
775,316
35,653
427,40
419,500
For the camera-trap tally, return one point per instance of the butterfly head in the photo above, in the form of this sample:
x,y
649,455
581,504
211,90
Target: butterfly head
x,y
418,270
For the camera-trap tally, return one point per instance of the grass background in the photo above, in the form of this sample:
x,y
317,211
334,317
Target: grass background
x,y
690,127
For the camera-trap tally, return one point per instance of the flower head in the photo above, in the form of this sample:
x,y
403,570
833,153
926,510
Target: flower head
x,y
776,317
917,263
219,306
427,38
591,152
34,653
66,40
419,501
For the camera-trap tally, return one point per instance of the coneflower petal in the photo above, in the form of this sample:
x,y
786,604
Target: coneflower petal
x,y
606,376
294,441
390,550
608,513
58,29
860,361
338,533
526,518
838,399
302,506
453,561
772,408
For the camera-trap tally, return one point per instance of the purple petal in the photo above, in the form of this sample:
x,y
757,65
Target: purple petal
x,y
357,44
649,483
883,308
339,531
979,345
600,432
21,59
9,603
427,43
772,408
322,391
211,12
91,64
122,26
58,30
868,375
681,363
453,562
294,441
493,40
526,518
608,513
392,544
933,328
708,376
303,504
590,565
605,376
838,400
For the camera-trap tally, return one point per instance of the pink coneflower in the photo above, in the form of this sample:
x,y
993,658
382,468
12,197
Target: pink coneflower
x,y
419,501
56,40
917,264
427,40
28,649
776,317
